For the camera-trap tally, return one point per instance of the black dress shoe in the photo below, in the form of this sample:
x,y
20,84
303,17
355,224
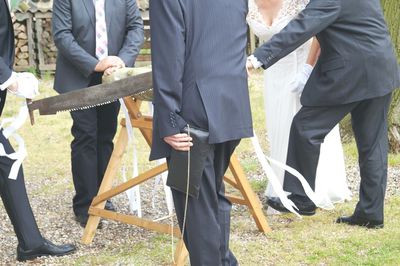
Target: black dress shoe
x,y
110,206
83,219
305,205
47,249
354,220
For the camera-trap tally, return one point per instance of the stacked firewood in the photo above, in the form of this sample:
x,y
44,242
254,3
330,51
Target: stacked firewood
x,y
21,43
46,42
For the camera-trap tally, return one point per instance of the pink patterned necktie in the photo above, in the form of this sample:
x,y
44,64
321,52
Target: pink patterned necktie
x,y
101,30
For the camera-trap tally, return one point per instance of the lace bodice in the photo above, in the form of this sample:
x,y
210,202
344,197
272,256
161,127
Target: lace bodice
x,y
290,8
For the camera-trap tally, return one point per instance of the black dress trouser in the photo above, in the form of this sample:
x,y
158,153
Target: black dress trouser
x,y
93,131
369,121
16,202
207,225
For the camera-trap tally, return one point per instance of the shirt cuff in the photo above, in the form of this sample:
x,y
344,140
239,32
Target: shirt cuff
x,y
9,81
254,61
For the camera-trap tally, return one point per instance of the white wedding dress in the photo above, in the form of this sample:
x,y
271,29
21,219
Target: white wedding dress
x,y
281,105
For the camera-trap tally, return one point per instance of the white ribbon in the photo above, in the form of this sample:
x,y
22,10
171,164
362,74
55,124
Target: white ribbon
x,y
133,194
276,184
162,178
10,131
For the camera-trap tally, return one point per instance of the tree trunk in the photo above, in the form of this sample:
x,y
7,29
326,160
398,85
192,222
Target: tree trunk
x,y
391,9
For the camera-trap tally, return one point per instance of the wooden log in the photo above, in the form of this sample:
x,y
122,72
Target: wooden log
x,y
24,49
24,41
23,62
21,43
22,36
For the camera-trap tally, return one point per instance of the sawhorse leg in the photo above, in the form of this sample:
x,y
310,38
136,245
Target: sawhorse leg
x,y
181,254
239,181
249,199
106,184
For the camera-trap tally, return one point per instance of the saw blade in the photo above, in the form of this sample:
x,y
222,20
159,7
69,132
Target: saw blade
x,y
94,96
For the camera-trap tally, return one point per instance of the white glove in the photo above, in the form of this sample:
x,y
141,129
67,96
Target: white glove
x,y
28,85
297,85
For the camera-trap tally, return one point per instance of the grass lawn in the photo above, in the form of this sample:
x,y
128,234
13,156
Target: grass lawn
x,y
309,241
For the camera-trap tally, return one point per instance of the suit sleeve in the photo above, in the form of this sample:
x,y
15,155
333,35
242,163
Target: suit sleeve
x,y
317,16
168,56
65,41
134,37
5,71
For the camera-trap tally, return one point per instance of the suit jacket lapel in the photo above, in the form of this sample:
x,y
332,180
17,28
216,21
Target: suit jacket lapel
x,y
89,6
8,11
108,14
8,4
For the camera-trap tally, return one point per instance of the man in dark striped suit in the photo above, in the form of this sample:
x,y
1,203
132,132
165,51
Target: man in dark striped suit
x,y
31,244
200,79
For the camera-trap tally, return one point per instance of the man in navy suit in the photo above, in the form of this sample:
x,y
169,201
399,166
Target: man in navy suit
x,y
93,37
356,73
31,244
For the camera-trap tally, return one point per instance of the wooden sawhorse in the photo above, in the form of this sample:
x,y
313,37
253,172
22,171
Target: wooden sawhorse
x,y
144,124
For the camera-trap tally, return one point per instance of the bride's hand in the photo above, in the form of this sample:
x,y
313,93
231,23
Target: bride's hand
x,y
298,84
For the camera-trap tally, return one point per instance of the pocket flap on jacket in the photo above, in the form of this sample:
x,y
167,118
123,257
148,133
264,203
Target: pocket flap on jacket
x,y
333,64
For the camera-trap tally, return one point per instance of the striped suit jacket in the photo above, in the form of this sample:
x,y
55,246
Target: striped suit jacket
x,y
6,48
199,75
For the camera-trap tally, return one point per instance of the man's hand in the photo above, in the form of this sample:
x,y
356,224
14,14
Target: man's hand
x,y
111,70
179,142
108,62
249,67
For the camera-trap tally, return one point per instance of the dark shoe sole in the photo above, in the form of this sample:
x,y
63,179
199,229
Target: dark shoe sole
x,y
99,226
33,257
276,206
366,224
83,222
110,206
307,213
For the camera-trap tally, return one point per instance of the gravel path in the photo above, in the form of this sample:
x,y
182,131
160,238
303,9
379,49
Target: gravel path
x,y
54,215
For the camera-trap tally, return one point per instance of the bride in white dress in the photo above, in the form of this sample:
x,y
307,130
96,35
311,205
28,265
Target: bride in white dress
x,y
281,103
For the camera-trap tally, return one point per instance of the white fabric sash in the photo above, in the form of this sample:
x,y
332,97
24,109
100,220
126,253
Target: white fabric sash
x,y
276,184
133,194
10,131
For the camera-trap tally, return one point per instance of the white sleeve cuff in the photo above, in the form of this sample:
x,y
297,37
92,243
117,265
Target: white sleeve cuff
x,y
254,61
9,81
307,68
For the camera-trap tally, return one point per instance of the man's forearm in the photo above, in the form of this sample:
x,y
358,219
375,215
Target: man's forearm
x,y
5,72
168,50
318,15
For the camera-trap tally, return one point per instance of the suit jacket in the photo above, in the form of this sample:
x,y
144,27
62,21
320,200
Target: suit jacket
x,y
74,35
6,48
357,59
199,75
